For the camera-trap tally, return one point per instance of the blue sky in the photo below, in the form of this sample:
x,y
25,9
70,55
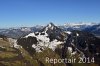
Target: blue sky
x,y
16,13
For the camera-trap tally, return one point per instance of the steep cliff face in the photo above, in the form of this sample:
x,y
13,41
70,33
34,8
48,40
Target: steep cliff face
x,y
83,43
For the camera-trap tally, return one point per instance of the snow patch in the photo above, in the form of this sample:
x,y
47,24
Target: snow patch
x,y
2,47
68,32
77,34
54,44
31,34
49,25
13,43
70,49
43,42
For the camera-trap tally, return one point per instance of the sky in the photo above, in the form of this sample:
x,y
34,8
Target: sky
x,y
21,13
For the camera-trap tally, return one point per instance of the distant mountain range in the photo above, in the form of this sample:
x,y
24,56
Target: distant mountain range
x,y
22,31
19,32
77,26
95,29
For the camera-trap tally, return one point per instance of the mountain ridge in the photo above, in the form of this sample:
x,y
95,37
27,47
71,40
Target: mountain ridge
x,y
22,31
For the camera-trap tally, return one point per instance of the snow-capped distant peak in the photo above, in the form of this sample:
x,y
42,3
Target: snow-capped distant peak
x,y
78,24
25,29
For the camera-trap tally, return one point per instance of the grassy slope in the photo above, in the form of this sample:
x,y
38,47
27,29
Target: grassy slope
x,y
10,56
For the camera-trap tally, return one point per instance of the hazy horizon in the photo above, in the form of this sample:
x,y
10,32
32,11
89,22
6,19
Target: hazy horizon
x,y
8,27
28,13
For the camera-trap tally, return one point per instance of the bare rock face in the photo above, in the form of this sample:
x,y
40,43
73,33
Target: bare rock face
x,y
82,43
27,43
54,32
3,37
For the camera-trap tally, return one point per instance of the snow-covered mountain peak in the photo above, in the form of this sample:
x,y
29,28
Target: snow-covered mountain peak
x,y
50,26
50,36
